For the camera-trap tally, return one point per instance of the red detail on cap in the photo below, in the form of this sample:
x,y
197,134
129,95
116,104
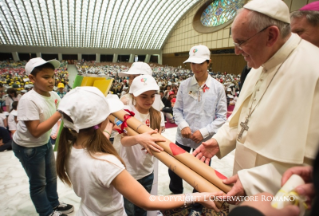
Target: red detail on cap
x,y
176,150
219,175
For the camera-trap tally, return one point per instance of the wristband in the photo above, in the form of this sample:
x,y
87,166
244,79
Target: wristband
x,y
188,200
107,132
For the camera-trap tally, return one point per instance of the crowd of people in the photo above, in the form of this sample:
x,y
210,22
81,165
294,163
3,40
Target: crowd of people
x,y
272,141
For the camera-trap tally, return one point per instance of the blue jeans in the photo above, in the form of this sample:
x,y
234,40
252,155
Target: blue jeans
x,y
130,208
39,164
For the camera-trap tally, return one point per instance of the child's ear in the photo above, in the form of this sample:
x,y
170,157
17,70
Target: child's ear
x,y
31,78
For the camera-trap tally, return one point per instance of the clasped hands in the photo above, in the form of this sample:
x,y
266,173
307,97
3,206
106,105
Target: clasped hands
x,y
196,136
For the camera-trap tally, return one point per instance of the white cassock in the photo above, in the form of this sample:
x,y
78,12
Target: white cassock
x,y
284,128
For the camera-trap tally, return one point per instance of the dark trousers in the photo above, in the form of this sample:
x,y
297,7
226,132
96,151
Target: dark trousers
x,y
6,146
176,183
130,208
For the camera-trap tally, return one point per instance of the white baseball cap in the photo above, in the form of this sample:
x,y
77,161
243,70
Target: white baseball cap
x,y
198,54
143,83
276,9
36,62
87,107
138,68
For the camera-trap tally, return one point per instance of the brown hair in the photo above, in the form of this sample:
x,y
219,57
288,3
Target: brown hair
x,y
10,91
97,143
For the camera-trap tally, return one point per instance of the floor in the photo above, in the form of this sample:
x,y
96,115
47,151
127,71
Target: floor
x,y
14,186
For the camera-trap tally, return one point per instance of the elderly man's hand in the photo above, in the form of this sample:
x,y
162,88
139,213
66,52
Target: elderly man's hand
x,y
206,150
237,189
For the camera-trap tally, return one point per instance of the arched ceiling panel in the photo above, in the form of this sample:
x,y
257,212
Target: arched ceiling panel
x,y
114,24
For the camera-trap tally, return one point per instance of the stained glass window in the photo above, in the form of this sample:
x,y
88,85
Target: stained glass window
x,y
220,12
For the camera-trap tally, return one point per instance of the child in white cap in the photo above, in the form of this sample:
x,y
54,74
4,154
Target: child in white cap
x,y
31,141
87,159
140,164
200,110
139,68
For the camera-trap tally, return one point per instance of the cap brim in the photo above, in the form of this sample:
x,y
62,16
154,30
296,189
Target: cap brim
x,y
56,64
195,60
137,93
115,104
132,72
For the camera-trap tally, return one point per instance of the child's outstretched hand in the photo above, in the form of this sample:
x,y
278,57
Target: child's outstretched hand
x,y
208,199
148,142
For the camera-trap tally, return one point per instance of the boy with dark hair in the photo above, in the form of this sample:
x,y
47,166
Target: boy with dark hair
x,y
31,142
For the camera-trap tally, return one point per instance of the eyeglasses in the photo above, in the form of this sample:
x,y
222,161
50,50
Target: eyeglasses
x,y
238,45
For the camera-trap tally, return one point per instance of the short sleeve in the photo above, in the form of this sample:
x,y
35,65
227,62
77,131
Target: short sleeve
x,y
107,168
162,120
3,116
28,110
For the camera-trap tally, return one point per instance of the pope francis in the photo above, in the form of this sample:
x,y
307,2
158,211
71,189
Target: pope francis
x,y
274,125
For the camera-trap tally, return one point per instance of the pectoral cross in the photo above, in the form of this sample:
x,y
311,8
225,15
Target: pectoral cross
x,y
244,126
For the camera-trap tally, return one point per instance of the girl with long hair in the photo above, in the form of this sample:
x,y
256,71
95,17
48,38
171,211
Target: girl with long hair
x,y
140,164
87,160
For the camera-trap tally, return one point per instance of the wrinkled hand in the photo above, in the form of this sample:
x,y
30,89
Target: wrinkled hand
x,y
208,200
148,142
237,189
186,132
197,136
305,172
264,206
206,150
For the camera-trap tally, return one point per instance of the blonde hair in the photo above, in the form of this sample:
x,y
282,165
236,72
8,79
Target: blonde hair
x,y
97,143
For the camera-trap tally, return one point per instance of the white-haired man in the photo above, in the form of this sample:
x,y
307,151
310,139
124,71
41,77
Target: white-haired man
x,y
274,125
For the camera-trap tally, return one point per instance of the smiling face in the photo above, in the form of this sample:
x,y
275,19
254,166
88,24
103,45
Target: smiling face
x,y
43,81
305,30
254,49
200,70
145,101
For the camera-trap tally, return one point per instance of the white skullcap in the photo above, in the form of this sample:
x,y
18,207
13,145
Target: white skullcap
x,y
276,9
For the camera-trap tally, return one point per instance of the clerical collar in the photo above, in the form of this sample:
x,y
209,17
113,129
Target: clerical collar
x,y
207,82
282,54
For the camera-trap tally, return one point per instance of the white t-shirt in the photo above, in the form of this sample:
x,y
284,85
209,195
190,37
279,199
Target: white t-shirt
x,y
138,163
91,179
33,106
11,122
2,118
